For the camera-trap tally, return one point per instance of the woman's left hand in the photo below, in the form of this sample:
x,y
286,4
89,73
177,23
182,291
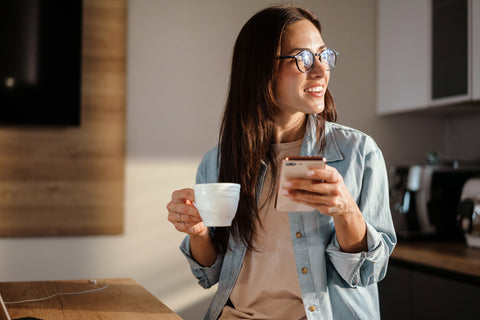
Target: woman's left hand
x,y
325,190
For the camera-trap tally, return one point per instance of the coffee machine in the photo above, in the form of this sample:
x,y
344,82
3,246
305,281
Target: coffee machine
x,y
468,212
424,198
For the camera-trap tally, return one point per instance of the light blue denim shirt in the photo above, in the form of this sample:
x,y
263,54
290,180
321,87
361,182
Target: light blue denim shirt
x,y
337,285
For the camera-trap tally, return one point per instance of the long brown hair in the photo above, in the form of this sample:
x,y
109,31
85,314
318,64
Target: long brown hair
x,y
247,130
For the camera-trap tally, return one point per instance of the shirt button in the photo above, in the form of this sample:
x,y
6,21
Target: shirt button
x,y
312,308
298,234
304,270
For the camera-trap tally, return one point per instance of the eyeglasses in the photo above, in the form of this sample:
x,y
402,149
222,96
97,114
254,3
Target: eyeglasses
x,y
306,59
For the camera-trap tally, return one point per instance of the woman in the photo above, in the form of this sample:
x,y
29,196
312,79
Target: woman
x,y
297,265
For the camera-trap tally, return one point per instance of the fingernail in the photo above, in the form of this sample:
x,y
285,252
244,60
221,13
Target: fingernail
x,y
288,184
310,173
285,192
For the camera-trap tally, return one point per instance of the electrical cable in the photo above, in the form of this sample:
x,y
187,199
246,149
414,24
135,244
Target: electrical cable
x,y
59,294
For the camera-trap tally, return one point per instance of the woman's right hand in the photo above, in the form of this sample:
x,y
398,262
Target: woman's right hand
x,y
185,217
183,214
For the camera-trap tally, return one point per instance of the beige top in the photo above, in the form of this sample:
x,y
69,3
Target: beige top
x,y
267,286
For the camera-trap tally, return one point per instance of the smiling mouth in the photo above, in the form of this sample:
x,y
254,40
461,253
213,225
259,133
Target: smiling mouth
x,y
314,89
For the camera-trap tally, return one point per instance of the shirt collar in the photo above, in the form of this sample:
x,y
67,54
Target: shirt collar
x,y
310,146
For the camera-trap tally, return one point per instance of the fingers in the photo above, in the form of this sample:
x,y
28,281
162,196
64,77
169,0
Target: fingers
x,y
327,174
319,181
183,214
190,212
183,194
326,204
185,222
324,190
184,226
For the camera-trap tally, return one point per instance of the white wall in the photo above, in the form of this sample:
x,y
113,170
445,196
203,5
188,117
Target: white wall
x,y
178,67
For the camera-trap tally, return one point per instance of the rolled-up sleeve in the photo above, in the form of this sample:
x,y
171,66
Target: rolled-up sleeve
x,y
365,268
207,276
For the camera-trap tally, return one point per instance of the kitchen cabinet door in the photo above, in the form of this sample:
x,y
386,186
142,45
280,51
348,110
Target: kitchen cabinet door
x,y
427,54
411,292
403,55
435,297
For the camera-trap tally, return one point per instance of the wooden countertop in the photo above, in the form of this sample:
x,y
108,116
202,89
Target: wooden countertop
x,y
449,256
121,299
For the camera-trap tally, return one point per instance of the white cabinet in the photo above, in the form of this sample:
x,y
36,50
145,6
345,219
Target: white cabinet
x,y
402,55
426,55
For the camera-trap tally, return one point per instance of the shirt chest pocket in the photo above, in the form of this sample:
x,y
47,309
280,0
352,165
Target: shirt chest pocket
x,y
318,227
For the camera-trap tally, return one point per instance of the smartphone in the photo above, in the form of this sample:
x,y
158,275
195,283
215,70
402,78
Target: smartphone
x,y
295,167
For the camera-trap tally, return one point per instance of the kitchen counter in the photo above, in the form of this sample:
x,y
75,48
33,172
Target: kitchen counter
x,y
452,257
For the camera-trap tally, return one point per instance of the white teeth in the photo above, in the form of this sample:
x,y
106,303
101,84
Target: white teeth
x,y
315,89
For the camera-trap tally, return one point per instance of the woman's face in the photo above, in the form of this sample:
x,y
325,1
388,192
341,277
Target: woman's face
x,y
300,93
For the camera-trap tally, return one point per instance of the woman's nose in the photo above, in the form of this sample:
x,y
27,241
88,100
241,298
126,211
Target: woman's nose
x,y
319,69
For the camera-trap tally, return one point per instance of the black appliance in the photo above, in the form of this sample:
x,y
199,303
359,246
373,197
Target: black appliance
x,y
424,198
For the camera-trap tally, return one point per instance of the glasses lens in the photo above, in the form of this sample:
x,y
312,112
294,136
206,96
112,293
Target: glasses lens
x,y
305,61
329,58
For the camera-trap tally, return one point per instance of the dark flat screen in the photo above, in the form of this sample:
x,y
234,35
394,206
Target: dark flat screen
x,y
40,62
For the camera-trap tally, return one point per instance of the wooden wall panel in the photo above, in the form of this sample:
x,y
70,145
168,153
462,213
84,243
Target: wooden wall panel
x,y
70,180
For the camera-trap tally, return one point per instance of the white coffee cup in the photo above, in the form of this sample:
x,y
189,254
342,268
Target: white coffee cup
x,y
217,203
